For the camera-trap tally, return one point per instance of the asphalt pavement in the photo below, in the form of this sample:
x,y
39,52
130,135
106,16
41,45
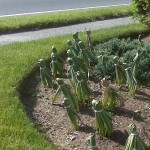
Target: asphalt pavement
x,y
13,7
35,35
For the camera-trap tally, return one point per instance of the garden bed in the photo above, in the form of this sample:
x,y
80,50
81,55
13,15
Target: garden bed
x,y
53,121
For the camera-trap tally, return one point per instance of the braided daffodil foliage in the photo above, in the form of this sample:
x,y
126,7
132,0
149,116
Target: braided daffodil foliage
x,y
62,87
91,142
71,72
131,81
45,74
54,51
76,40
104,66
83,92
85,54
77,61
72,48
120,71
110,96
103,119
72,113
56,67
134,142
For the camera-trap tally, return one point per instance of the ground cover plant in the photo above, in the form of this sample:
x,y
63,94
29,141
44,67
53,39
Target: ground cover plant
x,y
49,20
127,51
17,62
110,98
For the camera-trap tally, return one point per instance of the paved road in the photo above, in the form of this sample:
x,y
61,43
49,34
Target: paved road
x,y
9,7
35,35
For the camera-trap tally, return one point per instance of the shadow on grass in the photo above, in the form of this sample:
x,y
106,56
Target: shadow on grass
x,y
28,97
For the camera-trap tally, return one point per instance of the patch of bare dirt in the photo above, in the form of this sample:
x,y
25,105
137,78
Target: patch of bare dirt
x,y
146,39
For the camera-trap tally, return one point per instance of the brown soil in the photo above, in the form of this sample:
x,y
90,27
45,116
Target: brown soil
x,y
52,120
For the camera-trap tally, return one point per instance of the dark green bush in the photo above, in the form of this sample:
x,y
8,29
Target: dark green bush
x,y
141,11
98,70
118,46
126,50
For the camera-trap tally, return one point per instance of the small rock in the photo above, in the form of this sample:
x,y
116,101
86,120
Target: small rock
x,y
71,137
138,111
46,89
76,133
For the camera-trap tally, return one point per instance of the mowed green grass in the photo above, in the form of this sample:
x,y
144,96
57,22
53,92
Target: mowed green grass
x,y
48,20
17,132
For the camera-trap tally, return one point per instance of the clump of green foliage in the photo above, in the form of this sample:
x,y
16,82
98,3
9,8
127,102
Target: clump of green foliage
x,y
65,89
103,119
72,113
91,142
131,81
45,73
141,11
118,47
120,71
126,50
134,142
110,96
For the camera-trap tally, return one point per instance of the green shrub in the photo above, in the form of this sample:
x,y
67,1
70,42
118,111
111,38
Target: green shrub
x,y
118,46
126,49
141,11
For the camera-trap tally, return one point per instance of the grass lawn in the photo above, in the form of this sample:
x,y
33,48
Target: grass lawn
x,y
48,20
17,132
